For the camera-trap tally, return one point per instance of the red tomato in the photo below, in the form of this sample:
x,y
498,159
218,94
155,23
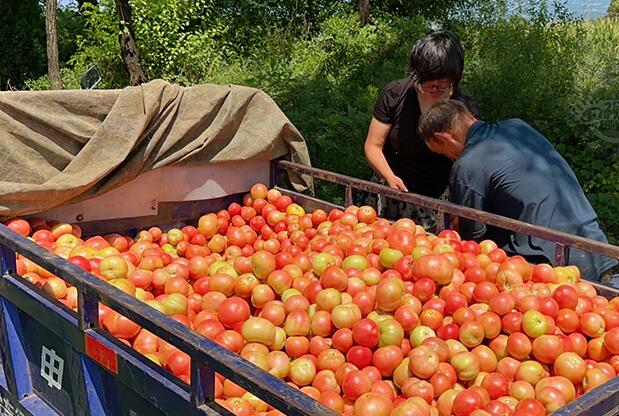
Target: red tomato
x,y
366,333
423,362
519,345
342,339
372,403
230,340
355,384
566,296
547,348
210,328
454,301
360,356
567,320
512,322
531,407
178,363
611,341
497,408
330,359
332,400
435,267
386,359
232,311
119,326
466,402
424,289
418,388
496,385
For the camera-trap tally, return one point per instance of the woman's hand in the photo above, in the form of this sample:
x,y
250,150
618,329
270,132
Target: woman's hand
x,y
396,183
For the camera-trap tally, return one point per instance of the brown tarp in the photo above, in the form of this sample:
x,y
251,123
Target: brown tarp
x,y
64,146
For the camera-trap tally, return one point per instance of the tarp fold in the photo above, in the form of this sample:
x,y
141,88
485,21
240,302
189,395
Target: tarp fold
x,y
59,147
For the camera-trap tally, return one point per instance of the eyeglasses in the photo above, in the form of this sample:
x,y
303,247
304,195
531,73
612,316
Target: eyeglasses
x,y
433,87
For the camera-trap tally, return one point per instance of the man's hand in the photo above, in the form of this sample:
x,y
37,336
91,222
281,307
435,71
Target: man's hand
x,y
396,183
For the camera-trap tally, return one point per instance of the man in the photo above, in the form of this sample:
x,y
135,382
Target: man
x,y
508,168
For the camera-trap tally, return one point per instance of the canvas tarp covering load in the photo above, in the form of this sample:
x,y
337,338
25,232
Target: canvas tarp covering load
x,y
58,147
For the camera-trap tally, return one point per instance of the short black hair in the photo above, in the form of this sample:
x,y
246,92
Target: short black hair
x,y
436,56
441,117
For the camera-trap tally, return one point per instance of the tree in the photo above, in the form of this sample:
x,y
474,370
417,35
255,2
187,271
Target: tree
x,y
53,66
80,3
22,42
613,9
70,26
364,11
128,48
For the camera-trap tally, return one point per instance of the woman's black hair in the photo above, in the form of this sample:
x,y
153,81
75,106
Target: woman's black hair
x,y
436,56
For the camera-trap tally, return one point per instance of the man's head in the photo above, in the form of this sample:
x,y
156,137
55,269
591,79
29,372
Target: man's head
x,y
444,127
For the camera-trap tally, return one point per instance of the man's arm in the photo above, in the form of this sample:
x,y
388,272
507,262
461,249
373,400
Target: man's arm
x,y
464,195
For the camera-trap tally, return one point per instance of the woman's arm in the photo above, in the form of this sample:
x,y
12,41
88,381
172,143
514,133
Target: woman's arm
x,y
374,143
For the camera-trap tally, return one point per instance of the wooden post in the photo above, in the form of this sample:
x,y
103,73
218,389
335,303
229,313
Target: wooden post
x,y
128,47
53,66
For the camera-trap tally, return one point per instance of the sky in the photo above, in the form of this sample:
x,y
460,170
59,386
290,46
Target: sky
x,y
587,9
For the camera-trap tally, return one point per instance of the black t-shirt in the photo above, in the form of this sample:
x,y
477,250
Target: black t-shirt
x,y
422,170
508,168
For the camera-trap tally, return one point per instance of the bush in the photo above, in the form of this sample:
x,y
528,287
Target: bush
x,y
613,9
557,72
22,49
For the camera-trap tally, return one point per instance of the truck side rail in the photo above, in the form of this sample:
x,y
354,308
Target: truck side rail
x,y
563,241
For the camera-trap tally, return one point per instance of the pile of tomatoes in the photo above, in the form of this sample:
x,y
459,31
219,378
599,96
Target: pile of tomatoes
x,y
366,316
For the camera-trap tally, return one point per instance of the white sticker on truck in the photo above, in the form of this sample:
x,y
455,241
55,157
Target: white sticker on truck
x,y
52,367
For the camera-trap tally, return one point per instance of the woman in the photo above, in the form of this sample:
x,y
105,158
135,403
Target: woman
x,y
393,148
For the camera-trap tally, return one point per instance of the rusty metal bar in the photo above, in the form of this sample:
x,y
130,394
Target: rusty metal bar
x,y
562,253
274,173
440,221
348,196
545,233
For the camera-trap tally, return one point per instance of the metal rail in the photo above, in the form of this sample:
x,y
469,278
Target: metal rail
x,y
207,357
563,241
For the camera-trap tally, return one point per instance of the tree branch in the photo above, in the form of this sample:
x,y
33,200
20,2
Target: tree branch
x,y
128,47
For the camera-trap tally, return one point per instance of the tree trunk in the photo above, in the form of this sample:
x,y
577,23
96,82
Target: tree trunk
x,y
309,15
128,47
53,66
364,11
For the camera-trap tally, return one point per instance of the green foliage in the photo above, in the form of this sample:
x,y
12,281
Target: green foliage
x,y
70,80
22,45
613,9
556,72
180,40
98,45
325,70
70,25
